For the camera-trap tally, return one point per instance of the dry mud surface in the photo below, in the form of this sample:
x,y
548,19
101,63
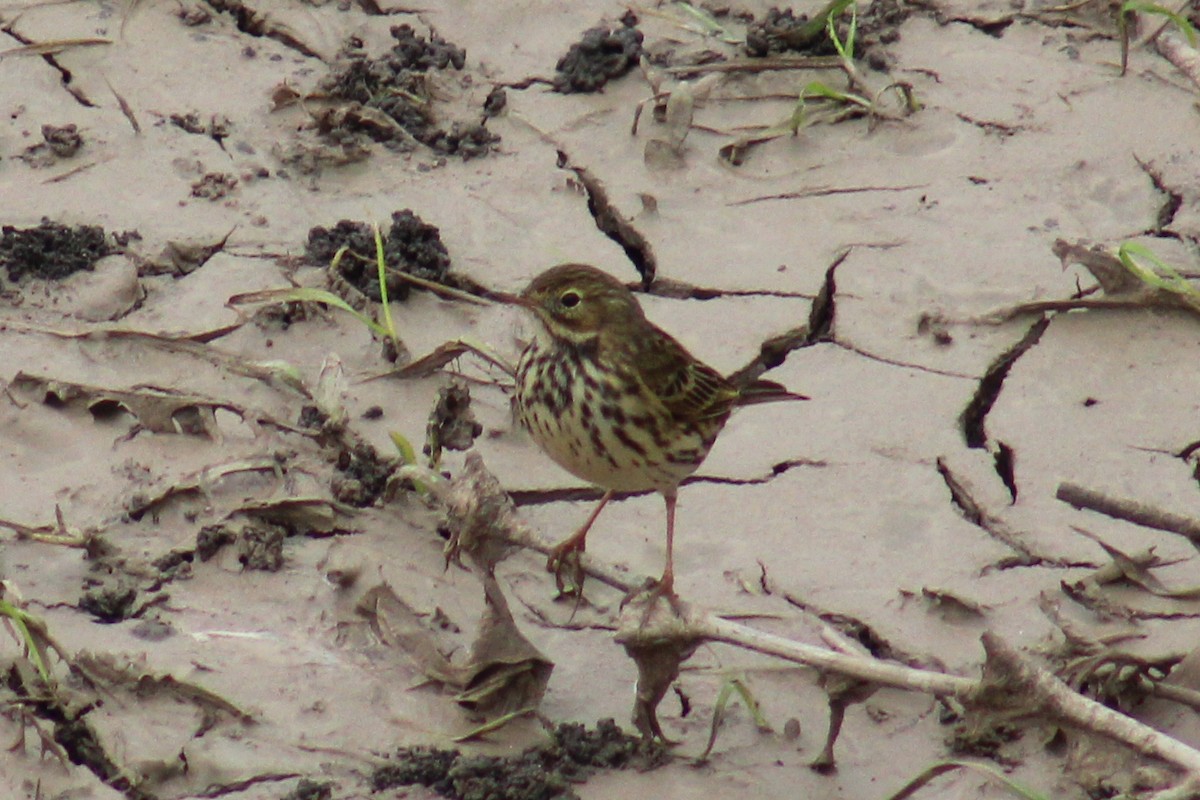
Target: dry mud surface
x,y
246,602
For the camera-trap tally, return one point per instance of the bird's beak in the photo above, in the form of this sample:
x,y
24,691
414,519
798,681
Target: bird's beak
x,y
512,299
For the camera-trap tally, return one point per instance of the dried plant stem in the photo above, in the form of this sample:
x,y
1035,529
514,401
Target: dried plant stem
x,y
1175,49
1011,684
862,667
1129,510
1041,690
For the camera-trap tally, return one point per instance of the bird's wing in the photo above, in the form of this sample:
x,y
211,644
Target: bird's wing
x,y
687,387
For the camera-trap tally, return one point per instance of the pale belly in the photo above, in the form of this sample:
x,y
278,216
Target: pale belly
x,y
599,442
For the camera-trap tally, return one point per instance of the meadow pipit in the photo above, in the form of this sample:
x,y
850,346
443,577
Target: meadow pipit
x,y
615,400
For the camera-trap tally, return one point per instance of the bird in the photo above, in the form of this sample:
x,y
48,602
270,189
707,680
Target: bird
x,y
617,401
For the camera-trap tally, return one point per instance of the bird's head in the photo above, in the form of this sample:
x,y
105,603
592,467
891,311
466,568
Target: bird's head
x,y
576,302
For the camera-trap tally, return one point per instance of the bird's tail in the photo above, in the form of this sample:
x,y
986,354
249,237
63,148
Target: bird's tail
x,y
760,391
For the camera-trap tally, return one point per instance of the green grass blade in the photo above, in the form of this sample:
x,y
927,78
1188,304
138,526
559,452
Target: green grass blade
x,y
1180,21
942,767
20,620
388,324
1159,274
307,294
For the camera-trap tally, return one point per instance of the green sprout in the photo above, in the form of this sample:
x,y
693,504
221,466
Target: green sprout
x,y
1129,7
389,326
942,767
1159,274
734,684
844,49
26,626
708,23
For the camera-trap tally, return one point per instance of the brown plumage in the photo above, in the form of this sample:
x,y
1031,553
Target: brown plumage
x,y
615,400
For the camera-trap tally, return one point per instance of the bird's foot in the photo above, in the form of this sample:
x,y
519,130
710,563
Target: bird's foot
x,y
650,592
566,563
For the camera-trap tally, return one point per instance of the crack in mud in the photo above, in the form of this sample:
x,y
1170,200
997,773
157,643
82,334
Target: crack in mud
x,y
1172,199
990,27
259,24
826,191
83,747
1001,129
973,512
850,626
66,78
567,494
819,328
681,290
892,362
824,308
242,785
1005,460
974,417
610,222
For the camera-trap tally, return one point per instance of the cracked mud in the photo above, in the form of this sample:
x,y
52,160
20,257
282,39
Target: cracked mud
x,y
225,522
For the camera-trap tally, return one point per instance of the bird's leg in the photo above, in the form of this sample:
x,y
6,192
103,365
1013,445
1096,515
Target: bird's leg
x,y
568,551
665,586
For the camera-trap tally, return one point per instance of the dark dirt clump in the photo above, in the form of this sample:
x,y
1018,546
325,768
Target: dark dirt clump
x,y
214,186
601,55
783,32
260,547
64,141
362,477
57,142
397,85
211,539
51,250
259,543
540,773
310,790
109,602
452,425
410,245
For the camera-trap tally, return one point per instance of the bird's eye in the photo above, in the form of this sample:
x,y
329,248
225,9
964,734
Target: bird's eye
x,y
570,298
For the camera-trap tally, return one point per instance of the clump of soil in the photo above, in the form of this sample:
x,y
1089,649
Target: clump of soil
x,y
217,128
310,790
211,539
259,543
214,186
784,31
51,250
57,142
539,773
410,245
601,55
109,602
452,425
397,84
260,547
362,477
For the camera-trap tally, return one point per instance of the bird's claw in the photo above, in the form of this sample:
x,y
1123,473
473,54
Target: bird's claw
x,y
566,563
649,594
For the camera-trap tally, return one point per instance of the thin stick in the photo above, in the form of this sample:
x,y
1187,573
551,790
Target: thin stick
x,y
1129,510
760,65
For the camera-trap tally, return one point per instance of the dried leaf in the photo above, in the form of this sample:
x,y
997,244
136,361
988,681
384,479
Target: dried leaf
x,y
113,671
504,673
1137,572
658,642
444,353
681,107
157,410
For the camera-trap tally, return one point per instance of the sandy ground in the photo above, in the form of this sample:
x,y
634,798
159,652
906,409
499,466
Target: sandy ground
x,y
911,505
